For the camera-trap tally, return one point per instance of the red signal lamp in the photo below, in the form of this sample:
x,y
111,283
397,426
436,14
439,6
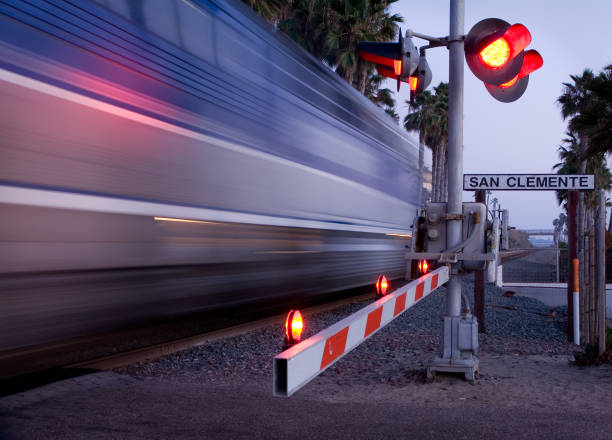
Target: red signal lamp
x,y
397,67
495,53
294,325
382,285
512,90
396,60
494,50
423,267
412,83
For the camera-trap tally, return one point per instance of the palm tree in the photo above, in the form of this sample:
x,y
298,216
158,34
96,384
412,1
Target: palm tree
x,y
352,21
307,23
382,97
570,155
574,100
331,29
594,121
430,120
269,9
419,120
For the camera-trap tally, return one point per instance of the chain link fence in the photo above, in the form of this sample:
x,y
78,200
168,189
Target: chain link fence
x,y
544,265
537,265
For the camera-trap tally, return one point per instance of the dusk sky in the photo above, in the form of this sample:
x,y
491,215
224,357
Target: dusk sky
x,y
523,136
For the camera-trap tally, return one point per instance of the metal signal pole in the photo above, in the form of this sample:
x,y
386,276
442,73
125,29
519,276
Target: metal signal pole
x,y
451,359
455,147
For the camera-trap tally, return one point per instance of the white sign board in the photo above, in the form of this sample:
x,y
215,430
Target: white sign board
x,y
528,182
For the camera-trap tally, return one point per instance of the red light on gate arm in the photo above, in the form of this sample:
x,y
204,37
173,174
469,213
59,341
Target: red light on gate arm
x,y
497,53
412,83
382,285
423,266
294,324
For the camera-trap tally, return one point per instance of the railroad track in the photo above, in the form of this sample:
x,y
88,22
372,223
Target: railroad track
x,y
158,350
31,368
510,255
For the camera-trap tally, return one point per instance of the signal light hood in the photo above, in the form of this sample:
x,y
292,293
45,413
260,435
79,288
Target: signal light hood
x,y
514,89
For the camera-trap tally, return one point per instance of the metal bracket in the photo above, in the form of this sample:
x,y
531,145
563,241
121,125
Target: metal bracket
x,y
435,41
448,258
449,217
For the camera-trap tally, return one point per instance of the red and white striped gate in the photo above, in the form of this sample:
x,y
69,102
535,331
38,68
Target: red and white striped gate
x,y
298,365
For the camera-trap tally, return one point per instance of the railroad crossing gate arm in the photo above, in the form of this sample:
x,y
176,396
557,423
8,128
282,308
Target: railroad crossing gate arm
x,y
298,365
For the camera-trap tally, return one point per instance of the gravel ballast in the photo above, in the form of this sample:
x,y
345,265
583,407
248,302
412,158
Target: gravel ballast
x,y
514,326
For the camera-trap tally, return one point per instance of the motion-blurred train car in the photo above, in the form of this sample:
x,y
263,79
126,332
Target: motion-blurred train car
x,y
159,158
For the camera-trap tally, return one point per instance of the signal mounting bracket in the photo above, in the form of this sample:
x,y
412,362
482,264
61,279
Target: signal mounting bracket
x,y
435,41
450,256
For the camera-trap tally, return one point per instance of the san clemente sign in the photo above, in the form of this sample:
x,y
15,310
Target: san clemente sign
x,y
528,182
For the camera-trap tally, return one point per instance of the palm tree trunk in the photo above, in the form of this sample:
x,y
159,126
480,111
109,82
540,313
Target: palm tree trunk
x,y
421,164
362,77
581,219
592,278
437,181
445,176
434,173
441,167
348,75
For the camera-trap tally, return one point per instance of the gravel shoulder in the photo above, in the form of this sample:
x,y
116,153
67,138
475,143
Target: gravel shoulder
x,y
223,389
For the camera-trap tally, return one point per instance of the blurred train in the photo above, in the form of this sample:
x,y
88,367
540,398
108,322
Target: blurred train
x,y
160,158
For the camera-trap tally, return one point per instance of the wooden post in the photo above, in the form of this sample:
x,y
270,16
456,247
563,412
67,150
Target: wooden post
x,y
571,233
585,278
479,285
601,272
592,284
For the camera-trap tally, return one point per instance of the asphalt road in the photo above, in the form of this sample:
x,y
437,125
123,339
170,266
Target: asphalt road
x,y
109,406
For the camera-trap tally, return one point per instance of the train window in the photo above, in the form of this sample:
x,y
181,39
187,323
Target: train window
x,y
196,29
119,6
239,55
178,22
162,19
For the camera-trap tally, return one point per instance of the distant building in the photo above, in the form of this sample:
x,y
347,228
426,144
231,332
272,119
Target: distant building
x,y
427,185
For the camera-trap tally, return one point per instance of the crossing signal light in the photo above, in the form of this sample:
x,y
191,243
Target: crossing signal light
x,y
421,78
393,60
382,285
495,53
294,324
